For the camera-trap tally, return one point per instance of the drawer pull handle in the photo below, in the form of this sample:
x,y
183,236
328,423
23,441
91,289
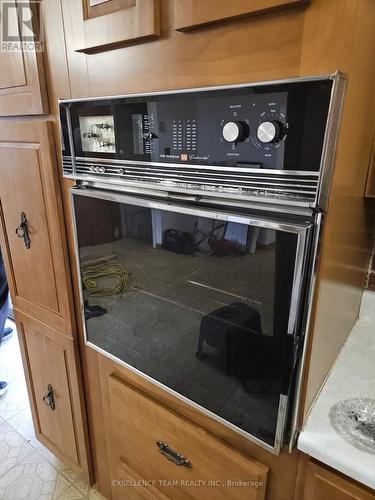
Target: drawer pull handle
x,y
172,455
48,398
22,231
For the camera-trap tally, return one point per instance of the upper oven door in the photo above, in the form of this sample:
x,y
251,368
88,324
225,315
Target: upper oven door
x,y
200,301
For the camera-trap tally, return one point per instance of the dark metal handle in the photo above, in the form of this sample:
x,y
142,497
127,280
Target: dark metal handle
x,y
22,231
49,398
172,455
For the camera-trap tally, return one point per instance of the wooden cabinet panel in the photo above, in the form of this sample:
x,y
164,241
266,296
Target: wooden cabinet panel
x,y
22,79
110,23
323,484
121,492
189,14
37,275
15,76
139,422
49,358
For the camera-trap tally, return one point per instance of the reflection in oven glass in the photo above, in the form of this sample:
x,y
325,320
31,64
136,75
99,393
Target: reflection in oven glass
x,y
190,301
97,134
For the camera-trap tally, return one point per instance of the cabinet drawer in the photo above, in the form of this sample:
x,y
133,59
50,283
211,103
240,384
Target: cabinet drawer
x,y
128,478
217,471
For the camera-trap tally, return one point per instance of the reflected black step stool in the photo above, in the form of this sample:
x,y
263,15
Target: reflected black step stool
x,y
221,327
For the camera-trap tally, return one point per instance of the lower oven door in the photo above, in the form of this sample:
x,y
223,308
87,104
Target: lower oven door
x,y
205,303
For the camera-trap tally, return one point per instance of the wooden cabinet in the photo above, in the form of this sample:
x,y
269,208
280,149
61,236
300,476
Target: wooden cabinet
x,y
174,457
22,80
107,24
37,275
34,250
52,375
189,14
323,484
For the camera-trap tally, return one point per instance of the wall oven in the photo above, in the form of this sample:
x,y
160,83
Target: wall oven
x,y
197,219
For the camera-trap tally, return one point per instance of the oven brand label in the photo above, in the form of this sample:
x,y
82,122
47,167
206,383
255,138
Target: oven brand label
x,y
196,157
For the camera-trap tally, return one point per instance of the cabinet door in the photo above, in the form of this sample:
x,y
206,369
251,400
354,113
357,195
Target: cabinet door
x,y
106,24
323,484
37,275
189,14
53,382
22,80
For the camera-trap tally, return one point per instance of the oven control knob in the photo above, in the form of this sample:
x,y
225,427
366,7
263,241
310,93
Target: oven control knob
x,y
235,131
269,131
102,170
120,171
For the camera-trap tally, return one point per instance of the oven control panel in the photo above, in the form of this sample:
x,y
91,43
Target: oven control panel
x,y
216,139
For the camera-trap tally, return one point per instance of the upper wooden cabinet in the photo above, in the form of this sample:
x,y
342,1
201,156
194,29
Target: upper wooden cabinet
x,y
37,272
22,80
105,24
189,14
323,484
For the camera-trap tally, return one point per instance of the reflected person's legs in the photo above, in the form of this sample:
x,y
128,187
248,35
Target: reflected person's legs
x,y
4,305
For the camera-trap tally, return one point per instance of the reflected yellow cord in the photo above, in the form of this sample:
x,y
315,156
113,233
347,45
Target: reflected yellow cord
x,y
95,270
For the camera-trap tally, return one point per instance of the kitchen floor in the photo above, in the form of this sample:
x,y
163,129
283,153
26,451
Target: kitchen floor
x,y
27,469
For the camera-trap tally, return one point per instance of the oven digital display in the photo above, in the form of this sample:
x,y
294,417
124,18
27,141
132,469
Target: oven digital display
x,y
137,128
97,134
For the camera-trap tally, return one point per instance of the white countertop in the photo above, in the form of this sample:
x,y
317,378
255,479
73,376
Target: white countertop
x,y
352,376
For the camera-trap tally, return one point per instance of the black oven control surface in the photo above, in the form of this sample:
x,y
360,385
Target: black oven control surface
x,y
249,141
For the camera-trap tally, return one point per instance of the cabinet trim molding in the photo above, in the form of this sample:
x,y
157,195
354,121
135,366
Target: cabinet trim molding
x,y
190,14
134,21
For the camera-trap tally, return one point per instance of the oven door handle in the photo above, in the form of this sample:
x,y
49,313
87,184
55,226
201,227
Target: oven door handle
x,y
217,214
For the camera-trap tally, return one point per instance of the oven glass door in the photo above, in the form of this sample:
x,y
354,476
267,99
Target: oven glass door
x,y
203,302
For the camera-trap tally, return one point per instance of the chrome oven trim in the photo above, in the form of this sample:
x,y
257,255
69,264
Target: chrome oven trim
x,y
167,165
138,186
297,282
255,204
192,210
281,422
306,331
71,143
299,229
200,89
330,140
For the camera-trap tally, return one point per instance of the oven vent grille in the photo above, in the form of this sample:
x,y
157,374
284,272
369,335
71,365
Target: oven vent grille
x,y
242,181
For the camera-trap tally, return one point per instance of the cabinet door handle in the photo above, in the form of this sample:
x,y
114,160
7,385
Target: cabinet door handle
x,y
49,398
172,455
22,231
